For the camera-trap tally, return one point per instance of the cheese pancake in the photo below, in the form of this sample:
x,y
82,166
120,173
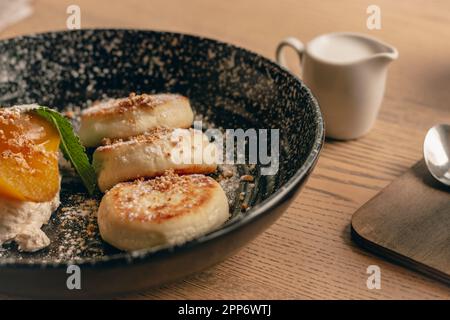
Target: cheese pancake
x,y
167,210
122,118
149,155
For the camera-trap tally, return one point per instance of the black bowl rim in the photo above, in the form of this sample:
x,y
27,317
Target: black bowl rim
x,y
261,208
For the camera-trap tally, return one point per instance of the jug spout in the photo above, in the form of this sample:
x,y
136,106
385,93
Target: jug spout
x,y
389,55
361,48
385,53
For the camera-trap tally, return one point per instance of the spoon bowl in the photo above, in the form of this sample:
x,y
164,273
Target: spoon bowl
x,y
436,151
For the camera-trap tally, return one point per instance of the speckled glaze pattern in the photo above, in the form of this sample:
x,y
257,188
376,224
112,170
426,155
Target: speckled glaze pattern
x,y
229,86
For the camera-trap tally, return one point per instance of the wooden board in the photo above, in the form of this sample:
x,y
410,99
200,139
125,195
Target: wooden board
x,y
409,222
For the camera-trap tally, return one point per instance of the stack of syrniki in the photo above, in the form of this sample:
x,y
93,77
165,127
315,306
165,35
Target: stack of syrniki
x,y
147,137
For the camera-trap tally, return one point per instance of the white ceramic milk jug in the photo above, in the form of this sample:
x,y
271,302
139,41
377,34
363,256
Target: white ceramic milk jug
x,y
347,73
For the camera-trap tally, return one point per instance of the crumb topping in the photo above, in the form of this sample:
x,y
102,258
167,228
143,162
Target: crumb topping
x,y
247,178
131,103
153,136
19,139
161,198
150,136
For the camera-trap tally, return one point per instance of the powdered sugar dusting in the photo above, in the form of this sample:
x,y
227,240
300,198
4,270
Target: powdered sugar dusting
x,y
73,228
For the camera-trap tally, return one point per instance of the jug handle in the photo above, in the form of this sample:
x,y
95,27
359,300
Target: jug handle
x,y
295,44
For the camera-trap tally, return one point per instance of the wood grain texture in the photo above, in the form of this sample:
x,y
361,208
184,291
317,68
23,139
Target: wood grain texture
x,y
409,222
308,253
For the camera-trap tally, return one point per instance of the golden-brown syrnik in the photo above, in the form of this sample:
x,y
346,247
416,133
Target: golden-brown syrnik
x,y
167,210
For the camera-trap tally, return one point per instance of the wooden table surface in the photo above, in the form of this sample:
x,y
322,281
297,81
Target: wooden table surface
x,y
308,253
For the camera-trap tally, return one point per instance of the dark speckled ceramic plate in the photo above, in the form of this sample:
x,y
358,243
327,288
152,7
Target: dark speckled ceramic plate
x,y
229,87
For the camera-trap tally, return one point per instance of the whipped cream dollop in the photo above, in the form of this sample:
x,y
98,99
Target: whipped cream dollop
x,y
21,221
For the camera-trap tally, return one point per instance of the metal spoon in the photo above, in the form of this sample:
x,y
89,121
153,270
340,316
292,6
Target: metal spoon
x,y
436,151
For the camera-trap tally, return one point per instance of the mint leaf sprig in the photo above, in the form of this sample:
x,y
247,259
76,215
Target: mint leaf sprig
x,y
71,147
